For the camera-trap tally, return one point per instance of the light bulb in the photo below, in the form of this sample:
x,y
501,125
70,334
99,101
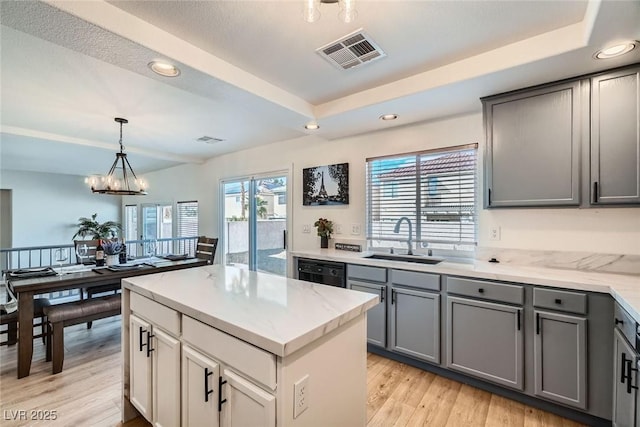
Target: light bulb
x,y
348,12
311,12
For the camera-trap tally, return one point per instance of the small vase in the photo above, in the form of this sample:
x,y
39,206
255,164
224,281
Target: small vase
x,y
324,242
112,259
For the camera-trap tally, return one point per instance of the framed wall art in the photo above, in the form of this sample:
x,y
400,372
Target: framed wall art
x,y
326,185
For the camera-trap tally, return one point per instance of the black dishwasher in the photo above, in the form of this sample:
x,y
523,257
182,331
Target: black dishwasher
x,y
325,272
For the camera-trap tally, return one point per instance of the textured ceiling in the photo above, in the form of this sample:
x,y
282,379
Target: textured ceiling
x,y
250,74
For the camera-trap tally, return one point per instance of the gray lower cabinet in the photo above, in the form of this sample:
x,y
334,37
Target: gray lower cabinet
x,y
560,355
485,339
624,393
615,137
533,146
376,316
415,323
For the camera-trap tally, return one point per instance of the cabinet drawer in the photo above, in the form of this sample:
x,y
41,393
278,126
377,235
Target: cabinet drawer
x,y
625,323
513,294
555,299
416,279
158,314
363,272
255,363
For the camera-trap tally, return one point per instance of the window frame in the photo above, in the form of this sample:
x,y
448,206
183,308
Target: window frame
x,y
462,211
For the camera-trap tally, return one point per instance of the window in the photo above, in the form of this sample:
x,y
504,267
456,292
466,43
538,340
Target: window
x,y
435,189
131,222
187,219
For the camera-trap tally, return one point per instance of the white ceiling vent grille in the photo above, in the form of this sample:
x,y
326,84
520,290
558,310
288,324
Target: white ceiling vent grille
x,y
351,50
209,139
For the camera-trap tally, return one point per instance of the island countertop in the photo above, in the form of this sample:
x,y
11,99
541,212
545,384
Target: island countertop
x,y
277,314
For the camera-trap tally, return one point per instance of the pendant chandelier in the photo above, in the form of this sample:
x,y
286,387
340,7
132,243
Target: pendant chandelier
x,y
347,14
121,180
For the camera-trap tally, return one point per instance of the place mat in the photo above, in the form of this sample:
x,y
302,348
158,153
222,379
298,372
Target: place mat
x,y
173,257
127,267
26,273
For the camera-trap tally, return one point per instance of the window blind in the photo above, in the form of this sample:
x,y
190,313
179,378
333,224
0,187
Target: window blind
x,y
187,219
434,189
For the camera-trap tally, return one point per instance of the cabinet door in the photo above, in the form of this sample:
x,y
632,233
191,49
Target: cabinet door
x,y
376,316
485,340
200,389
615,137
624,396
166,379
533,147
246,404
140,367
415,324
560,353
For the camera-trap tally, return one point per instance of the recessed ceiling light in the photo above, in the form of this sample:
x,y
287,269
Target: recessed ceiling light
x,y
388,117
615,50
164,68
312,126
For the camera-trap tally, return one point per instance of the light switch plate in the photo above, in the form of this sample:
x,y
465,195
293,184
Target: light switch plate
x,y
306,228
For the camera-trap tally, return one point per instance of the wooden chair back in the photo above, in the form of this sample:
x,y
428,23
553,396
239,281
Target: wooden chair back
x,y
91,251
206,248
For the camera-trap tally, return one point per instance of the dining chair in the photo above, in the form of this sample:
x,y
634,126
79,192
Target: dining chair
x,y
206,248
11,320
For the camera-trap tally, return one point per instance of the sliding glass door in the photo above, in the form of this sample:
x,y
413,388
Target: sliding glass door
x,y
255,223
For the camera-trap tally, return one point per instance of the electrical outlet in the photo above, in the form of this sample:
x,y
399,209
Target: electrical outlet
x,y
300,396
306,228
494,233
355,229
338,229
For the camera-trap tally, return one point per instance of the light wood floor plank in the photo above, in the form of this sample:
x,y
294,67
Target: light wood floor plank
x,y
470,408
382,385
435,406
87,391
505,412
392,413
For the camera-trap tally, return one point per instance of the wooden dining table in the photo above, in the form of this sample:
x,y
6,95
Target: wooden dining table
x,y
26,288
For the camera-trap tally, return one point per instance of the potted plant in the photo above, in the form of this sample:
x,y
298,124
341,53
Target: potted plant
x,y
325,228
91,227
112,251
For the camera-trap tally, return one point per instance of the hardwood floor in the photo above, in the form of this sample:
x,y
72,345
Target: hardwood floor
x,y
87,392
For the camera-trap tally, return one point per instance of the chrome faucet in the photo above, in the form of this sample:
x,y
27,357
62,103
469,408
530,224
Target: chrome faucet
x,y
396,230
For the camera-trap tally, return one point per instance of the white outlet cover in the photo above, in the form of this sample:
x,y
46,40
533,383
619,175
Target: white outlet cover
x,y
300,396
355,229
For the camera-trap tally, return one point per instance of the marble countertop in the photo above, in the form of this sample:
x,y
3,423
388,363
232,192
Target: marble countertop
x,y
624,288
274,313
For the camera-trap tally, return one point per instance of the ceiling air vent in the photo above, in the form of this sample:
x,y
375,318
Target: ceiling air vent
x,y
209,139
351,50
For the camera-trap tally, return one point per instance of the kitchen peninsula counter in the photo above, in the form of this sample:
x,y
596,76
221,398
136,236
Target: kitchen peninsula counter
x,y
268,329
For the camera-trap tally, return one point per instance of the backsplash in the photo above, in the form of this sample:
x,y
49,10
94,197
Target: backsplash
x,y
586,261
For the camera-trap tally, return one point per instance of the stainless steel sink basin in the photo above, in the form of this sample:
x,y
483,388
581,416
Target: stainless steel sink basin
x,y
407,258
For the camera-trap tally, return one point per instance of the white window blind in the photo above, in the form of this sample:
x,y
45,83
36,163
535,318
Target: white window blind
x,y
187,219
434,189
131,222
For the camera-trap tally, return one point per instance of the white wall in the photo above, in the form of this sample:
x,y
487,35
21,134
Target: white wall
x,y
611,230
46,206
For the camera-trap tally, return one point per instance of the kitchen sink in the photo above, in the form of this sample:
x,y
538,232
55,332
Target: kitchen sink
x,y
421,259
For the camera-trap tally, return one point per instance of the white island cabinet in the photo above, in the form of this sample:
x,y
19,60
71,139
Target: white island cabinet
x,y
223,346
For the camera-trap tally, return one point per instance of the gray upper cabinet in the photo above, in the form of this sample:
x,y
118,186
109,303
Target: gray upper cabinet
x,y
415,323
532,153
615,137
376,316
485,340
560,353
